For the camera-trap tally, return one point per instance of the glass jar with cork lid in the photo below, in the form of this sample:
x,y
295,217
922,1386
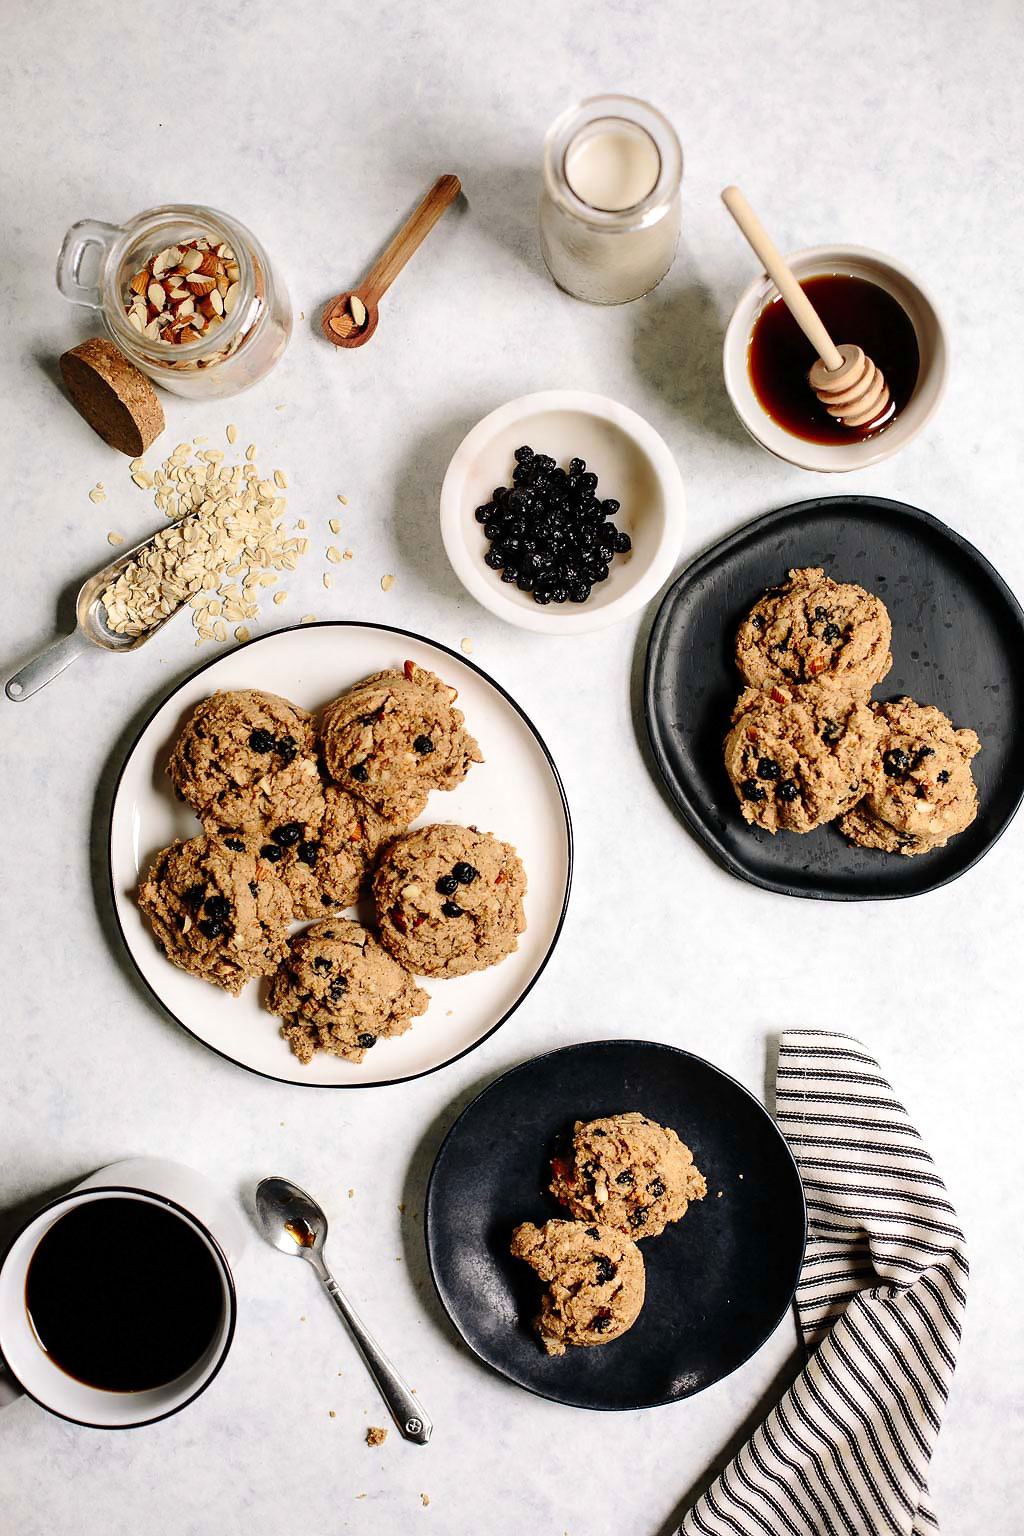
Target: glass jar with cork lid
x,y
187,293
610,200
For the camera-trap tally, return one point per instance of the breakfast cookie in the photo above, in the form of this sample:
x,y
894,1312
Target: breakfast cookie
x,y
395,737
798,757
247,759
219,914
594,1277
449,900
338,991
814,629
326,863
921,790
629,1173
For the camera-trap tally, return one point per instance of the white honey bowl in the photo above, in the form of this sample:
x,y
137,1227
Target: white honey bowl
x,y
837,458
633,465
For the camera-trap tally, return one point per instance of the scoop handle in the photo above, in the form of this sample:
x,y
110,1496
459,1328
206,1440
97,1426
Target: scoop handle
x,y
410,237
796,300
413,1423
47,665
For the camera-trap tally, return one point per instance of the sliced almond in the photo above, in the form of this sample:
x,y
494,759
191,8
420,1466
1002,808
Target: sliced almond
x,y
140,282
156,295
231,298
357,309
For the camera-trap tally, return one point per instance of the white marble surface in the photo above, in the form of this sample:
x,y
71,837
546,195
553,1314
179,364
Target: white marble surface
x,y
897,127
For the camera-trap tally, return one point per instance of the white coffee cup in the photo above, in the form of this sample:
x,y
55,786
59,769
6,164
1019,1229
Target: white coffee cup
x,y
29,1369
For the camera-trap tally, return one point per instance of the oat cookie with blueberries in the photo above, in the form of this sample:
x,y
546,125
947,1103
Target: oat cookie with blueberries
x,y
247,759
813,629
449,900
629,1172
216,913
594,1281
921,789
395,737
326,864
338,991
799,757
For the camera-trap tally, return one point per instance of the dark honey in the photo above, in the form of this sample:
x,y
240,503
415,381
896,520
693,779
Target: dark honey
x,y
780,357
123,1295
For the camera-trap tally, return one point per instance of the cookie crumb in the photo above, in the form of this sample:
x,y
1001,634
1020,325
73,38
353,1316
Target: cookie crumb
x,y
348,554
334,525
351,1193
387,582
401,1208
375,1435
426,1499
331,1413
719,1194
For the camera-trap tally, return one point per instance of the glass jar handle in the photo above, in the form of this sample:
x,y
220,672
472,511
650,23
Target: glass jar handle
x,y
89,232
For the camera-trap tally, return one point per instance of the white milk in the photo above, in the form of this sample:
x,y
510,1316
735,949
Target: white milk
x,y
612,164
610,202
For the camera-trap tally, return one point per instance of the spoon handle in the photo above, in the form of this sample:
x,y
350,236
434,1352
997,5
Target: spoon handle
x,y
42,669
410,237
413,1423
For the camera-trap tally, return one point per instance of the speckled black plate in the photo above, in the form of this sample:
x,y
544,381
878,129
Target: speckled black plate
x,y
958,642
718,1282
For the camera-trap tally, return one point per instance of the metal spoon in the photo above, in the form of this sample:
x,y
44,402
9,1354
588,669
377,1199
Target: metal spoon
x,y
293,1222
92,629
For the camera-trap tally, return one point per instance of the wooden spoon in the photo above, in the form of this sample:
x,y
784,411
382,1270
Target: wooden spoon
x,y
351,319
846,382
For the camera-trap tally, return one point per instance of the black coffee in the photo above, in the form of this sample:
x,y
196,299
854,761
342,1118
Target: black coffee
x,y
123,1295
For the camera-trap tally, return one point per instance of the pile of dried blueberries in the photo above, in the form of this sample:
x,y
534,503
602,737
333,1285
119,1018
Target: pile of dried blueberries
x,y
549,532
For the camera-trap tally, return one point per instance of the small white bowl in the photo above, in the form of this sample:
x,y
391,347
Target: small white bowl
x,y
633,465
835,458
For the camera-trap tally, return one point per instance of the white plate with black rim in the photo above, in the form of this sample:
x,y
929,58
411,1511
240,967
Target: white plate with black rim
x,y
516,794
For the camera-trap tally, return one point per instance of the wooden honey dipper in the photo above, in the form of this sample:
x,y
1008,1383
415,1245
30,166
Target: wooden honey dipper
x,y
846,382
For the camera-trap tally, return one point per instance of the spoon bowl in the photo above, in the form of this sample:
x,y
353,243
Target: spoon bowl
x,y
289,1219
337,323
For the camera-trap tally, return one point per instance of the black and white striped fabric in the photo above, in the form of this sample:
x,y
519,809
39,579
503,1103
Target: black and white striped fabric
x,y
880,1303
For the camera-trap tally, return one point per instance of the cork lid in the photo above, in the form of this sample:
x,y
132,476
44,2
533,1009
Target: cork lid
x,y
116,399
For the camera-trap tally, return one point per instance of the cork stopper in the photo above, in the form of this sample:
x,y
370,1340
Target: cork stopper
x,y
115,399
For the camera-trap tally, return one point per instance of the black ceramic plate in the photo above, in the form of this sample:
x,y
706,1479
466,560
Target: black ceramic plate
x,y
957,641
718,1282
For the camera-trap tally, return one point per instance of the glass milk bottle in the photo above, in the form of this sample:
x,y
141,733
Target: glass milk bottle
x,y
610,202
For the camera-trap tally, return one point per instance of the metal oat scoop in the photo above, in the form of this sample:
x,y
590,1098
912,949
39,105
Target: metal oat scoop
x,y
92,629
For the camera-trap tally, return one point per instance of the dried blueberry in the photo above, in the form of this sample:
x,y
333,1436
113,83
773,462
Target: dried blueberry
x,y
366,1041
786,790
261,741
451,909
767,768
593,1232
359,772
943,777
322,964
752,790
210,927
656,1187
271,852
447,885
254,888
465,874
194,895
638,1217
831,733
895,762
308,852
217,907
831,633
602,1323
820,613
524,454
606,1270
287,748
372,717
337,989
288,835
423,745
626,1178
623,543
483,513
235,844
921,754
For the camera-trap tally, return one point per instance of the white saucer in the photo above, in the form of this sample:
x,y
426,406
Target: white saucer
x,y
516,794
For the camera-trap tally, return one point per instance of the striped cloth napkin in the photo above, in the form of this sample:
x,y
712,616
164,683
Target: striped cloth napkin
x,y
880,1302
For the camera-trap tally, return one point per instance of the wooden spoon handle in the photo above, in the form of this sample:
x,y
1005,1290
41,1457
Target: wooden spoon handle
x,y
411,236
796,300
